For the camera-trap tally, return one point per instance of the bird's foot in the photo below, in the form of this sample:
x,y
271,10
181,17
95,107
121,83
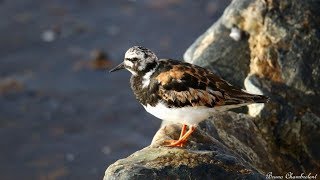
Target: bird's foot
x,y
183,138
174,143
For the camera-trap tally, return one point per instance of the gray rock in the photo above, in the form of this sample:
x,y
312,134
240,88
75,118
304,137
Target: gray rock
x,y
216,51
283,43
204,157
273,49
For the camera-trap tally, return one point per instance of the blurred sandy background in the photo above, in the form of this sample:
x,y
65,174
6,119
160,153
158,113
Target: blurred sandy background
x,y
62,116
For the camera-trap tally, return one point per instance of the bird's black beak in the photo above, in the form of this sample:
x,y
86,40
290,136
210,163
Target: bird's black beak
x,y
119,67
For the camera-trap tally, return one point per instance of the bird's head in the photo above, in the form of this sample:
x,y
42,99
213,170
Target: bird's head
x,y
137,60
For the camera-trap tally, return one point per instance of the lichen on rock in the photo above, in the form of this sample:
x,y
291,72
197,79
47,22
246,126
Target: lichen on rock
x,y
277,55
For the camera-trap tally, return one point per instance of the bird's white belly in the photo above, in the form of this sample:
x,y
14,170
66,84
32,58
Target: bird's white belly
x,y
184,115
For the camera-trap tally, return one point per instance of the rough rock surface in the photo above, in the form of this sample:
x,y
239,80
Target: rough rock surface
x,y
207,155
282,39
278,54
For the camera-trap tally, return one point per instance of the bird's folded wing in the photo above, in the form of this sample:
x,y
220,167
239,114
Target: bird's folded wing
x,y
190,85
184,85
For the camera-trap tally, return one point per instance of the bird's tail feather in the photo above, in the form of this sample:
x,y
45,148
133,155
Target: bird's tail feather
x,y
245,98
260,99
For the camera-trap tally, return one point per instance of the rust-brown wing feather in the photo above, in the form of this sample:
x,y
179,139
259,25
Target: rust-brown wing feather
x,y
183,84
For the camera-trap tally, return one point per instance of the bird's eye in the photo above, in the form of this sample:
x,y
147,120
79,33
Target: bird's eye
x,y
132,59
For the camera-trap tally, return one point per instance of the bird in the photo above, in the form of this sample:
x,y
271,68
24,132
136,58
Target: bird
x,y
180,92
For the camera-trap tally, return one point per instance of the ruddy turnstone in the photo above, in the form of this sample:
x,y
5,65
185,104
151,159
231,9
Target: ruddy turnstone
x,y
180,92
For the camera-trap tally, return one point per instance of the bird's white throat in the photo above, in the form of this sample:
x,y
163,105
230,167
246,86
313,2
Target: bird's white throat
x,y
146,77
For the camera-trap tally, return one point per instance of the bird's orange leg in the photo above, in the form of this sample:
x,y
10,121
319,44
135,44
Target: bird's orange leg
x,y
182,140
183,130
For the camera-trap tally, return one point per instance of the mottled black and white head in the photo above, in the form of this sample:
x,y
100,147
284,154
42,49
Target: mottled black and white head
x,y
138,60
